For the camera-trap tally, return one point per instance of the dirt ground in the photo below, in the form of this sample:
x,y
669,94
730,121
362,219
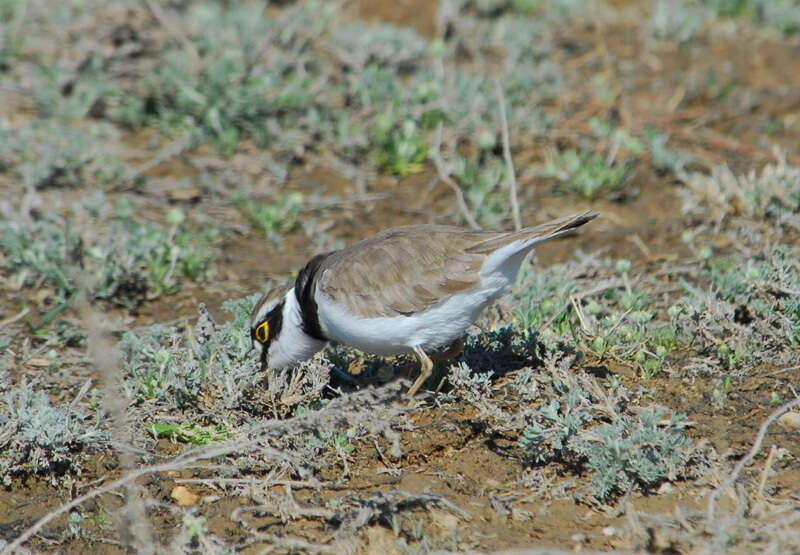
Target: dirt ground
x,y
452,453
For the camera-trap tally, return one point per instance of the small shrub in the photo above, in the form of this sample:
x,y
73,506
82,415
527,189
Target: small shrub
x,y
768,196
636,452
132,262
272,219
586,174
587,428
37,437
399,148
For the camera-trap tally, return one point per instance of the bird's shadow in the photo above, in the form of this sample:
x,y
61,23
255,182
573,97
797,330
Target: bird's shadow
x,y
499,351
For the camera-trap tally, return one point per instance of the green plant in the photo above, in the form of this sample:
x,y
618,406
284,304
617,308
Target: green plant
x,y
767,196
481,182
541,296
639,451
585,173
556,427
42,438
132,261
586,428
780,14
676,20
664,159
272,219
399,147
167,367
192,433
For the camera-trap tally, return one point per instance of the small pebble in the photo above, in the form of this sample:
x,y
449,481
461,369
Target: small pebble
x,y
790,420
183,497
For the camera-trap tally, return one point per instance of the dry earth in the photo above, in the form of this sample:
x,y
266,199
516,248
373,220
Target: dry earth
x,y
445,450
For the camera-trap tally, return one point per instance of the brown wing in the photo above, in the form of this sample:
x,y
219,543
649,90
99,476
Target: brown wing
x,y
403,270
542,232
408,269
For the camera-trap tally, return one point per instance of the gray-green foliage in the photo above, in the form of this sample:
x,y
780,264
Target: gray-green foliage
x,y
771,195
553,433
783,15
681,19
586,173
246,83
39,437
758,297
636,451
675,20
273,219
215,362
483,192
38,246
129,262
617,319
587,428
665,159
379,44
51,153
541,296
156,369
164,365
276,77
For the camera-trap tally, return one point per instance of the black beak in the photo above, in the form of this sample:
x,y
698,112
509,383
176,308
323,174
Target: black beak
x,y
263,350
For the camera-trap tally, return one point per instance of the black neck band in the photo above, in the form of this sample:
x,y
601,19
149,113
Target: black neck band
x,y
304,287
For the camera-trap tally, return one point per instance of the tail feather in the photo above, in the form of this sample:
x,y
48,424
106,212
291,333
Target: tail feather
x,y
537,234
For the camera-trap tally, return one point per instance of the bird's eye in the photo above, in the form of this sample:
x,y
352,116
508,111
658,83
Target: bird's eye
x,y
262,332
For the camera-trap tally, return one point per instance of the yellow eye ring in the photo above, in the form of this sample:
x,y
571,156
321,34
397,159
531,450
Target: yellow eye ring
x,y
262,332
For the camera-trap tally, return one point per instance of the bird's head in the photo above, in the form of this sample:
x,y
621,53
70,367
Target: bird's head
x,y
266,321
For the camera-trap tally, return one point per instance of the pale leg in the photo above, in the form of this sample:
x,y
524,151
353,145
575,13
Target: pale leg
x,y
426,367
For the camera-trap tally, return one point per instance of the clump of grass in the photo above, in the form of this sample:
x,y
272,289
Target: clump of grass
x,y
754,295
779,14
214,366
639,452
616,320
50,153
38,437
482,181
234,91
664,159
676,20
189,433
541,296
272,219
399,148
140,260
68,96
628,452
154,372
361,44
134,261
773,195
586,174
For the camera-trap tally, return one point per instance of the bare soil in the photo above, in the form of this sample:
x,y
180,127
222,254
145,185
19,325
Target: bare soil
x,y
448,452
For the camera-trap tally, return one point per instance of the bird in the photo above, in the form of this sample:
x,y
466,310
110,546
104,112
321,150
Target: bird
x,y
407,290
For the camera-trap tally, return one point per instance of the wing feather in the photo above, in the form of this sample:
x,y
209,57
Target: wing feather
x,y
408,269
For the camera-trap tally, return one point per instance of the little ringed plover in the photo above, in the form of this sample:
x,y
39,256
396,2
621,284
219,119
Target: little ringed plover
x,y
410,289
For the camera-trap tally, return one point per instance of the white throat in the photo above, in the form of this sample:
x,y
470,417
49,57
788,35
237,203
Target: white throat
x,y
292,345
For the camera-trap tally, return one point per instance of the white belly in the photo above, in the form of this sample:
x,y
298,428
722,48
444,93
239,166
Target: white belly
x,y
434,327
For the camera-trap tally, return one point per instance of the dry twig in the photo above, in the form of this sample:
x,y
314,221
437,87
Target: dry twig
x,y
712,501
444,175
512,177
